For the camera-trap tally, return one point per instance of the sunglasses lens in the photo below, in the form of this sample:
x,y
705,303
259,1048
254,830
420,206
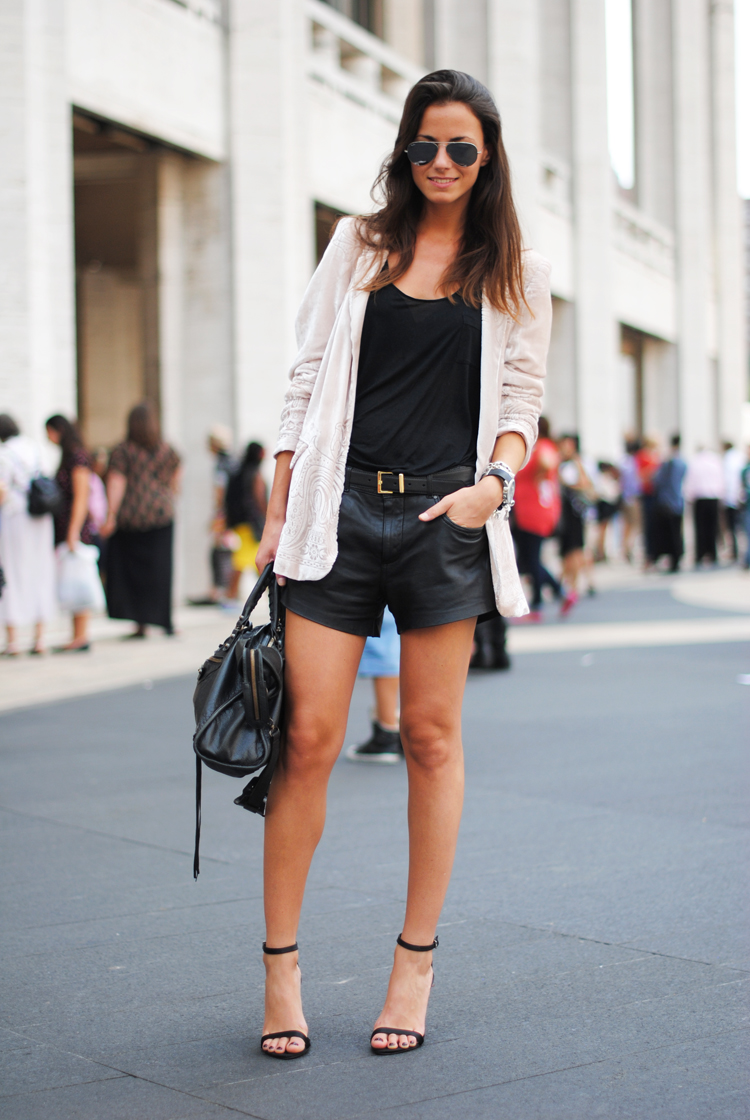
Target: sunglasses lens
x,y
462,154
421,151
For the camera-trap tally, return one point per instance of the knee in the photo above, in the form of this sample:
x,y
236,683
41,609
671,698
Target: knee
x,y
310,749
430,744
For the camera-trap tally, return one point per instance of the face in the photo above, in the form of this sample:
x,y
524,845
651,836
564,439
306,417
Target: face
x,y
567,448
444,181
53,436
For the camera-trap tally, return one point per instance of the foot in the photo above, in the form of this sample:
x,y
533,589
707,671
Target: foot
x,y
283,1003
406,1001
568,603
384,745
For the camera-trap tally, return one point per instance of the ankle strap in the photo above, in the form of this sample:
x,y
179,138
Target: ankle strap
x,y
416,948
275,952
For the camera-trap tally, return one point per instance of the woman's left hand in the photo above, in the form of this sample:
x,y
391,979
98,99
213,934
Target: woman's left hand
x,y
72,540
471,506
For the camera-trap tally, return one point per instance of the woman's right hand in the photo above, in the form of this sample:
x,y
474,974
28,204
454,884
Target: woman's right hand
x,y
269,544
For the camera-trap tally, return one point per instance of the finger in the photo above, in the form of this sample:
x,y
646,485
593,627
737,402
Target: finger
x,y
437,510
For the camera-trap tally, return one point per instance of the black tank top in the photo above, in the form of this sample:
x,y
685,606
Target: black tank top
x,y
417,403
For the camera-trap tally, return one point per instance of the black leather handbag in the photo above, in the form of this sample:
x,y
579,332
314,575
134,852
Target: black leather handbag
x,y
238,703
44,496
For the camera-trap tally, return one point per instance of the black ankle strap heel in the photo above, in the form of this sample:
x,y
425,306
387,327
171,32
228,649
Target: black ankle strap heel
x,y
417,948
286,1055
418,1038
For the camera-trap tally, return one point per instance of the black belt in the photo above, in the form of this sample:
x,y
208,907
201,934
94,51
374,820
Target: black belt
x,y
391,482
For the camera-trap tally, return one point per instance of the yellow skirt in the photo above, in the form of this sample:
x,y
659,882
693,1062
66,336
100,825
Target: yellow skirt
x,y
243,557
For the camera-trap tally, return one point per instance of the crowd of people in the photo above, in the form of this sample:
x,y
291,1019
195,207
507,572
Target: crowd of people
x,y
594,509
122,503
102,519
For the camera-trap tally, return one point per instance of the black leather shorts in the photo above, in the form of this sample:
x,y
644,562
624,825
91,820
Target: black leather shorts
x,y
427,572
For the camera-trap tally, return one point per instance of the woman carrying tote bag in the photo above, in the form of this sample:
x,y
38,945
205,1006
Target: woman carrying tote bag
x,y
413,400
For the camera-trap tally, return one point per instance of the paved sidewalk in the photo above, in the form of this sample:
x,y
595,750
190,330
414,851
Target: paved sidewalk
x,y
594,951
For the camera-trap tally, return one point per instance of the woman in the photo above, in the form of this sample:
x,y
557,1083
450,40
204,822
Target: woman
x,y
536,515
142,482
423,337
27,556
73,523
577,494
245,502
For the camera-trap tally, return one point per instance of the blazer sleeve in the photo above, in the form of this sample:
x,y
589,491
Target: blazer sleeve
x,y
320,306
526,357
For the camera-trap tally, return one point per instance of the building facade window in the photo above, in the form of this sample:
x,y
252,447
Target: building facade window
x,y
367,13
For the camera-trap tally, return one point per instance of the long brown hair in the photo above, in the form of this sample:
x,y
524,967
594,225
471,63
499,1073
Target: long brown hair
x,y
490,257
70,438
143,426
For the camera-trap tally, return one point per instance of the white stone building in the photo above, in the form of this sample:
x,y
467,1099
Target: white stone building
x,y
169,169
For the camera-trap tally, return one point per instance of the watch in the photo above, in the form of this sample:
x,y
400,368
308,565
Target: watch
x,y
502,471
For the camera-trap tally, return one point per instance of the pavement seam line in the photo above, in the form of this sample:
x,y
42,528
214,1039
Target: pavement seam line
x,y
613,944
111,836
552,1072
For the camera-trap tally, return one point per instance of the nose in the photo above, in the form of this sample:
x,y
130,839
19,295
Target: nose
x,y
442,160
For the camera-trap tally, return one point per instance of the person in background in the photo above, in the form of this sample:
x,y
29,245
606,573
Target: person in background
x,y
380,662
704,487
219,445
745,483
577,493
536,515
733,462
608,496
647,461
630,506
73,522
27,556
142,482
669,506
245,505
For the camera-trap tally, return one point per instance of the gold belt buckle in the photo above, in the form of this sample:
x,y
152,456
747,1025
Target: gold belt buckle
x,y
380,483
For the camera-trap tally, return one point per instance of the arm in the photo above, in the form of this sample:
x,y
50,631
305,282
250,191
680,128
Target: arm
x,y
276,512
526,360
520,405
80,481
317,314
116,486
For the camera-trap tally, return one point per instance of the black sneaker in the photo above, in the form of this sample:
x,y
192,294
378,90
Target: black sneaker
x,y
382,746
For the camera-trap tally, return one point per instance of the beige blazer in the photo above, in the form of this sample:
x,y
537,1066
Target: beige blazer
x,y
316,421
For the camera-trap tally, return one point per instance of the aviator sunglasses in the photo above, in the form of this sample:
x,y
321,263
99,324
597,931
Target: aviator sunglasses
x,y
461,152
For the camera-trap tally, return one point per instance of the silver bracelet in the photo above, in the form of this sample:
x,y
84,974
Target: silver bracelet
x,y
507,476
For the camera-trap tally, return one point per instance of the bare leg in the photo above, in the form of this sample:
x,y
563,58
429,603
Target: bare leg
x,y
434,665
233,589
39,637
11,645
386,701
321,667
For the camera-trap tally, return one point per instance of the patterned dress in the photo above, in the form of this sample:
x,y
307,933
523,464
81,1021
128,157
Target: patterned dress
x,y
139,557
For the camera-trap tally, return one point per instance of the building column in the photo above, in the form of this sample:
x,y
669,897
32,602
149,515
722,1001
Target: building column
x,y
514,76
654,149
728,230
37,289
272,212
597,333
690,51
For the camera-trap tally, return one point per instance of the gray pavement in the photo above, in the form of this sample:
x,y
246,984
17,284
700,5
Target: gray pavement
x,y
594,950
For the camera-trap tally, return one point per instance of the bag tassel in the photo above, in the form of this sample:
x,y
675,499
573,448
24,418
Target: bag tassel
x,y
196,856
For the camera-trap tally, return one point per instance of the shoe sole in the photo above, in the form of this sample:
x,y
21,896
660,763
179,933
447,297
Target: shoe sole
x,y
386,759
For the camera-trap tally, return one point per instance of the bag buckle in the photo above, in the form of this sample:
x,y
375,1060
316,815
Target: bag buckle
x,y
380,483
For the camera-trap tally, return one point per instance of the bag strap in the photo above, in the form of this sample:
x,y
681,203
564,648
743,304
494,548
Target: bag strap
x,y
265,580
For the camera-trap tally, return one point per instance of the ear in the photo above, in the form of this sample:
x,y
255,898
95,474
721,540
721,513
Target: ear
x,y
485,158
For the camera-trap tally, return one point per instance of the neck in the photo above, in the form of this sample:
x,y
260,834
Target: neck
x,y
445,220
